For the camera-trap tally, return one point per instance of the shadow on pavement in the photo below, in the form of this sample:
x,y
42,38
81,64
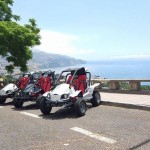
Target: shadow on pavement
x,y
7,103
62,113
140,144
28,107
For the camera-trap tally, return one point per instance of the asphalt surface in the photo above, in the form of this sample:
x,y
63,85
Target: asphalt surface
x,y
27,128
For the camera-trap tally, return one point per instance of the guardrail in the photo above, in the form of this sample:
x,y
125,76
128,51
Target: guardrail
x,y
114,84
135,84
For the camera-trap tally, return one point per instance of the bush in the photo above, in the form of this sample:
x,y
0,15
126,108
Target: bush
x,y
8,79
145,87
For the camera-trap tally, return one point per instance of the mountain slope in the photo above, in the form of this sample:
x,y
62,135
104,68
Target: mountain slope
x,y
48,60
42,60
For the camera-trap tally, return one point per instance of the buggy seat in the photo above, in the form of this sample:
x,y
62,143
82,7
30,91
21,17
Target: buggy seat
x,y
74,82
40,81
69,79
23,82
79,83
45,83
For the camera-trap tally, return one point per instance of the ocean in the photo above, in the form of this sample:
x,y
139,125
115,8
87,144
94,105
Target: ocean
x,y
117,69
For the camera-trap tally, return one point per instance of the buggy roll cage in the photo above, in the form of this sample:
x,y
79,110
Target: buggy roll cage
x,y
74,72
44,73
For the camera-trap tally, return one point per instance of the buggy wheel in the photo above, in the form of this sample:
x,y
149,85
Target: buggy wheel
x,y
96,100
2,101
17,103
38,100
80,107
45,109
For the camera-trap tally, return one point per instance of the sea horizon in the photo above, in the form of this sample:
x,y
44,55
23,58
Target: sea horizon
x,y
116,69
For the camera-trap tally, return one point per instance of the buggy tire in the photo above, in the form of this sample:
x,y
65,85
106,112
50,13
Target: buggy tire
x,y
38,100
17,103
2,101
80,107
96,100
44,108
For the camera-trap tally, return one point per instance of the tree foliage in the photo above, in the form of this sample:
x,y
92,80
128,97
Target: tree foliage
x,y
6,12
16,40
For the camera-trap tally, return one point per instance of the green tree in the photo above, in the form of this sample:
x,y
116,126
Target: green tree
x,y
16,40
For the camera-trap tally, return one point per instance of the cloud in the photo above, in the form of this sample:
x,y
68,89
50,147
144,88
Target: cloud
x,y
62,43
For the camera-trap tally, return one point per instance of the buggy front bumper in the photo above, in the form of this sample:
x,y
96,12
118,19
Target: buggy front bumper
x,y
4,96
26,97
59,102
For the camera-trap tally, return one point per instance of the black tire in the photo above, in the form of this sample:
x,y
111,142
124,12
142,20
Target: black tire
x,y
2,101
38,101
44,108
96,100
80,107
17,103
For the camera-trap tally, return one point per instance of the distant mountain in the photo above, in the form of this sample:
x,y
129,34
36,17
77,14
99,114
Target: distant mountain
x,y
42,60
48,60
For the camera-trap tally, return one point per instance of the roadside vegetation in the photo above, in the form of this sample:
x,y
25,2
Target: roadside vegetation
x,y
125,86
7,79
16,40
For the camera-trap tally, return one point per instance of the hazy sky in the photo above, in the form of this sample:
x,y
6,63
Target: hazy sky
x,y
90,29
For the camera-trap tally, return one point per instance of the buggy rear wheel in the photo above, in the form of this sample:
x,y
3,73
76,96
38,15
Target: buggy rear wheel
x,y
38,100
80,107
2,101
96,100
44,107
17,103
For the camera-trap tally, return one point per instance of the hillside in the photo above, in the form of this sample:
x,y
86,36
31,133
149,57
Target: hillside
x,y
42,60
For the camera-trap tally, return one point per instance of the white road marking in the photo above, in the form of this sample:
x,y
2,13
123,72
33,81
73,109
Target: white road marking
x,y
30,114
66,144
1,107
94,135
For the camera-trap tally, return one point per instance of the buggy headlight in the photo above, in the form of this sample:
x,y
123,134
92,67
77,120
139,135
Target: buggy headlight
x,y
64,96
49,96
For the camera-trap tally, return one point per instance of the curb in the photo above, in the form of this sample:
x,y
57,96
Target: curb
x,y
124,92
123,105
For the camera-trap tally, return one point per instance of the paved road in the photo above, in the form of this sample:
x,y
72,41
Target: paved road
x,y
103,127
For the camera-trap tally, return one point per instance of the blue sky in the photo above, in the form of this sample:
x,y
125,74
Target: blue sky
x,y
90,29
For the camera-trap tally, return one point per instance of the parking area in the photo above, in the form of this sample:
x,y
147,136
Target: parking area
x,y
103,127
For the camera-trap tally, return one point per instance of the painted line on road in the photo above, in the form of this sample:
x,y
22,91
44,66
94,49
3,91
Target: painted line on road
x,y
30,114
94,135
1,107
